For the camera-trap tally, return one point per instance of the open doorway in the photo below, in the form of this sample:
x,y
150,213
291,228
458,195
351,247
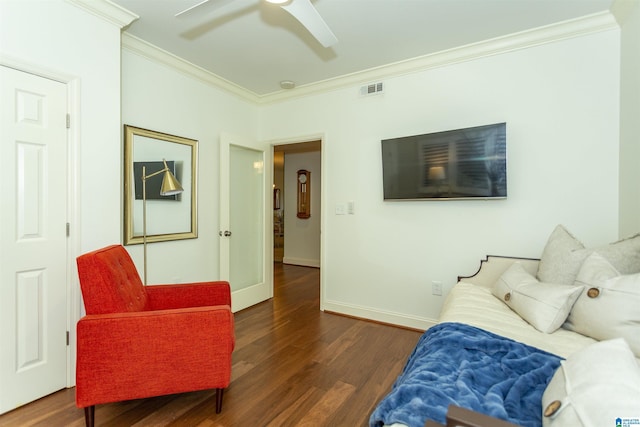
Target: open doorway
x,y
296,237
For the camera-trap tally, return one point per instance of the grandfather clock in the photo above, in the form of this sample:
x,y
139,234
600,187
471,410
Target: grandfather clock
x,y
304,194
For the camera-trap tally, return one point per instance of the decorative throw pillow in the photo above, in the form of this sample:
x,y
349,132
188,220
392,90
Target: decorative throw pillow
x,y
564,254
543,305
624,254
559,262
593,387
609,305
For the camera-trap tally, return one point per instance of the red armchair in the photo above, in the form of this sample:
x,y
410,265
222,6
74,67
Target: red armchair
x,y
140,341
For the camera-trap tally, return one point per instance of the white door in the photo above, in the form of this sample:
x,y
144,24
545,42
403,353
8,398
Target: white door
x,y
245,254
33,215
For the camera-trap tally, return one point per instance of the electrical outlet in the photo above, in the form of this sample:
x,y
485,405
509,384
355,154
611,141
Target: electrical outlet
x,y
436,287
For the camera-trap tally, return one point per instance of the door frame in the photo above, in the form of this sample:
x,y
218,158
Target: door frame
x,y
74,299
323,203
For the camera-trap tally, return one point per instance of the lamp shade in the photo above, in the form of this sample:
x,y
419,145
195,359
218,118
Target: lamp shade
x,y
170,185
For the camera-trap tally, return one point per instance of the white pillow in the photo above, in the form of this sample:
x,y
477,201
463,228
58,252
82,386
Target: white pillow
x,y
609,305
543,305
593,387
560,262
564,254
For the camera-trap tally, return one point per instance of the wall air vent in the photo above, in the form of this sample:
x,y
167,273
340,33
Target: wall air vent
x,y
372,89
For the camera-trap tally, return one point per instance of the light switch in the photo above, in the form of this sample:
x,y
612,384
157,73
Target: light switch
x,y
341,209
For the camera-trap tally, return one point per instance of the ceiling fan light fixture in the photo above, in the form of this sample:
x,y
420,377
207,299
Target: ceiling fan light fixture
x,y
302,10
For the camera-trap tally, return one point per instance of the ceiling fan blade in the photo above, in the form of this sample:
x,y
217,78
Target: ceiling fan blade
x,y
217,4
308,16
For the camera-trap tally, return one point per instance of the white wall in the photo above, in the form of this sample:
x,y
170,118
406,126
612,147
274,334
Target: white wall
x,y
162,99
561,104
629,123
52,38
302,236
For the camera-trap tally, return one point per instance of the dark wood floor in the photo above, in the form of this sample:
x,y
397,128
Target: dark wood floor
x,y
293,366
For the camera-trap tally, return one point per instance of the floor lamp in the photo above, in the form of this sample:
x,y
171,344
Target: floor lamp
x,y
170,187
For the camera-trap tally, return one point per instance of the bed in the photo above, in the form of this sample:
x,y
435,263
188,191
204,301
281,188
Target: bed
x,y
553,341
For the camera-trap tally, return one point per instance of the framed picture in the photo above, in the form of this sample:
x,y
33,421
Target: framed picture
x,y
167,217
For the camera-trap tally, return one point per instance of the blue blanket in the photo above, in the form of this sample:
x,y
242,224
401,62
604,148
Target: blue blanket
x,y
458,364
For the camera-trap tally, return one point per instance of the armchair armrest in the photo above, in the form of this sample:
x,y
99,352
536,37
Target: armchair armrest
x,y
133,355
162,297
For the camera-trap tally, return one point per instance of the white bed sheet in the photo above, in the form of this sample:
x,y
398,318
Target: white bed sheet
x,y
475,305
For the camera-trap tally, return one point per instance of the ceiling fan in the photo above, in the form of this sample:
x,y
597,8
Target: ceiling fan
x,y
302,10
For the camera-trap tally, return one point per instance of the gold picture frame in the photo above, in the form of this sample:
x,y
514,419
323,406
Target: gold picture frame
x,y
168,217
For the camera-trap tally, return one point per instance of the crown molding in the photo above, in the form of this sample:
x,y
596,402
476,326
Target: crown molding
x,y
107,10
594,23
147,50
564,30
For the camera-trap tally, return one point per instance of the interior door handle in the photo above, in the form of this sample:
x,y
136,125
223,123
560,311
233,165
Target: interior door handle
x,y
227,233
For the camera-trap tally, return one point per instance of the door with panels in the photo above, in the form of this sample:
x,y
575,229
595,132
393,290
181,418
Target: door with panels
x,y
33,237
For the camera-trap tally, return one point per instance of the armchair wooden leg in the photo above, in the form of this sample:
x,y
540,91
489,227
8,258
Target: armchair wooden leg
x,y
219,395
89,415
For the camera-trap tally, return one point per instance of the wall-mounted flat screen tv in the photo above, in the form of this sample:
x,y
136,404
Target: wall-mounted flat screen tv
x,y
457,164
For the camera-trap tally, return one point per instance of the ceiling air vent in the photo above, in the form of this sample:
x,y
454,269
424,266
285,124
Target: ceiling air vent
x,y
372,89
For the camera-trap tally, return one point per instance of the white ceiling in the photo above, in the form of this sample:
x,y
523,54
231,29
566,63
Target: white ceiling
x,y
256,45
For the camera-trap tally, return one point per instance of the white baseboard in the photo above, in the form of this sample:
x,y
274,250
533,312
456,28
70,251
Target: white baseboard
x,y
301,261
414,322
246,297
